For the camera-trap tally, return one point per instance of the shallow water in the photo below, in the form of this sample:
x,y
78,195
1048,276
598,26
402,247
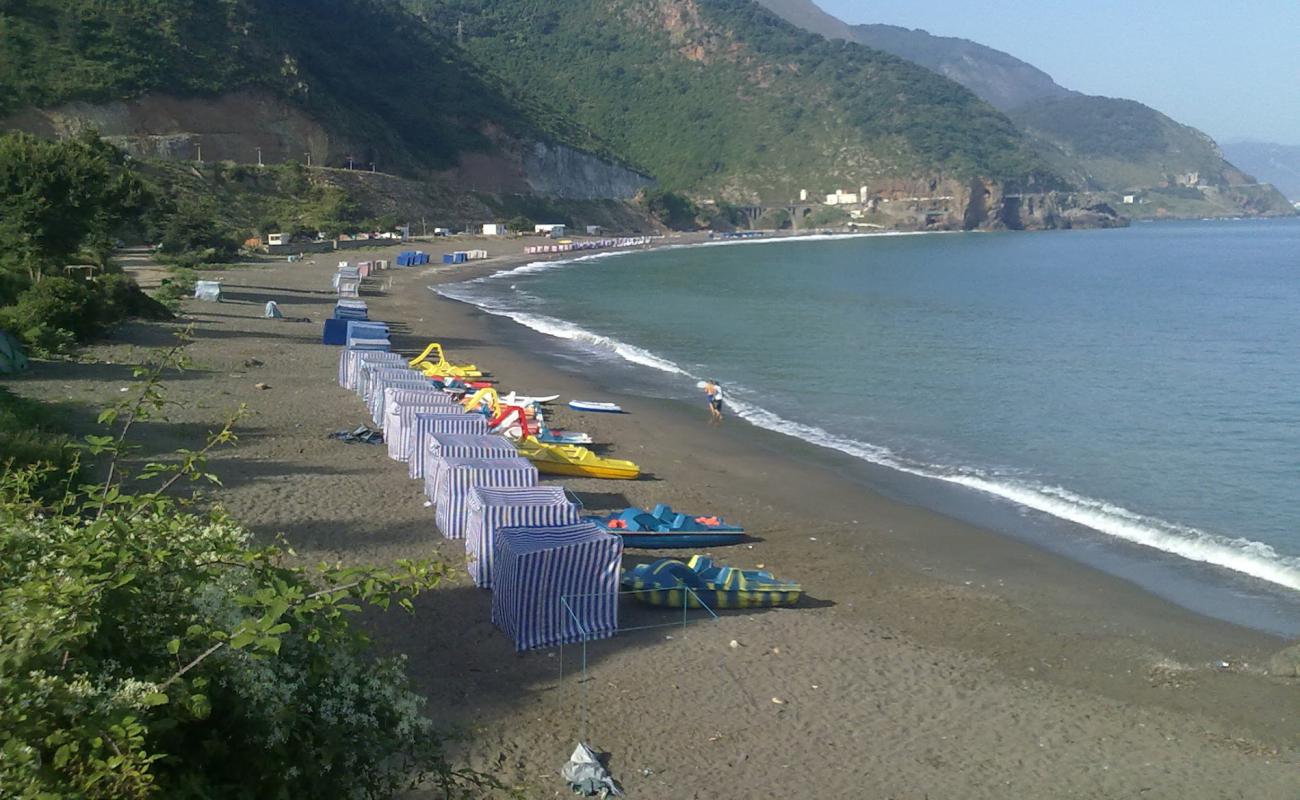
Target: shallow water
x,y
1143,383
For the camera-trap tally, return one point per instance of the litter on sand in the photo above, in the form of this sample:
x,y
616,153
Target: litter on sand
x,y
361,434
587,776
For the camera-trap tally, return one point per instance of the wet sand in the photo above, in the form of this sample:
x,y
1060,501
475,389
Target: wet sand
x,y
930,659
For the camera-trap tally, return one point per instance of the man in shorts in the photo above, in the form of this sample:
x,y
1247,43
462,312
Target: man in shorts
x,y
713,393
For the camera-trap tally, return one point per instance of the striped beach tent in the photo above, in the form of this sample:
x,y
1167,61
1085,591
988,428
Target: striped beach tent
x,y
399,416
533,568
457,445
425,425
382,389
369,373
374,379
489,509
350,362
458,477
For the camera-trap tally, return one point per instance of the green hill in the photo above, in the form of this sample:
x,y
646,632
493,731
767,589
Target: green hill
x,y
723,96
364,69
1100,143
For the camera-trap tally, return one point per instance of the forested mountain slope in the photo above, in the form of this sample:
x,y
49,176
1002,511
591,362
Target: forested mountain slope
x,y
1098,143
721,96
343,80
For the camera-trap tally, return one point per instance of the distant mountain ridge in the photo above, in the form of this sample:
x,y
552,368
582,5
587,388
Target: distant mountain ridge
x,y
1279,164
1003,80
1099,143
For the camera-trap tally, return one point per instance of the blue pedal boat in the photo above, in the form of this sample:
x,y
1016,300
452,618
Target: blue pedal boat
x,y
662,529
664,583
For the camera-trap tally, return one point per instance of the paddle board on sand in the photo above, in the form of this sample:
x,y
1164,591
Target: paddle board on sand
x,y
589,405
514,399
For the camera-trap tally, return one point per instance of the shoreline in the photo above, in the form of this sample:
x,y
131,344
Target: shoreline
x,y
1216,584
933,656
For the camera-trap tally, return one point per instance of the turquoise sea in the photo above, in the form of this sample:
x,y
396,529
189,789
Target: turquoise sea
x,y
1137,386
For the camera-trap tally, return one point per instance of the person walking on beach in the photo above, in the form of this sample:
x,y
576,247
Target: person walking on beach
x,y
713,393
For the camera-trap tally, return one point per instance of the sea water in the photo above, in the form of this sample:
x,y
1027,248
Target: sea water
x,y
1141,385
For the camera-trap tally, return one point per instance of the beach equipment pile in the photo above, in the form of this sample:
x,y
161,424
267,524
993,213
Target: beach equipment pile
x,y
588,244
412,258
461,256
562,581
555,574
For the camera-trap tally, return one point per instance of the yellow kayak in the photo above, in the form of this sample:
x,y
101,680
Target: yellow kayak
x,y
569,459
433,362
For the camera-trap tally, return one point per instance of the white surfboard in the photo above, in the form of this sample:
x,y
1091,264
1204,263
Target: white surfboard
x,y
515,399
591,405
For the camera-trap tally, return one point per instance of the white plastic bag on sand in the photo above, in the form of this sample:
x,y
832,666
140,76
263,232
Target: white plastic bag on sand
x,y
272,310
587,776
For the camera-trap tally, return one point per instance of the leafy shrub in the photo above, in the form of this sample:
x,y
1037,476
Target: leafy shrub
x,y
29,437
151,651
53,315
191,235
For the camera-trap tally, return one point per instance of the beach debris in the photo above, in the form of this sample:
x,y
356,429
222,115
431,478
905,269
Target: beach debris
x,y
759,566
125,389
733,644
262,386
587,776
272,310
253,362
778,701
362,434
812,538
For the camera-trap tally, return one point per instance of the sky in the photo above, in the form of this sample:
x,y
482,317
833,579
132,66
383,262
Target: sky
x,y
1228,67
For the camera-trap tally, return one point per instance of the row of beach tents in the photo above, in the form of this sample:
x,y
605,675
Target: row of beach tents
x,y
554,577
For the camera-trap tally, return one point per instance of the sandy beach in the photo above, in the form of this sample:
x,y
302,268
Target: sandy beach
x,y
930,658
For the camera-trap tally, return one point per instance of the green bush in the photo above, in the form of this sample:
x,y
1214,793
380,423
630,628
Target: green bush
x,y
29,437
154,652
53,315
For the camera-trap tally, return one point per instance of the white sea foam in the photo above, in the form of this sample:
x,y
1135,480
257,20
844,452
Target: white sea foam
x,y
1241,555
1252,558
560,329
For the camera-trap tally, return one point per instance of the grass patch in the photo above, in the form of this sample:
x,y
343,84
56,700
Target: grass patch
x,y
31,434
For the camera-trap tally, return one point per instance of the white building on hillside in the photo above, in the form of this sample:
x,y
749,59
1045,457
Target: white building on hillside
x,y
494,229
841,198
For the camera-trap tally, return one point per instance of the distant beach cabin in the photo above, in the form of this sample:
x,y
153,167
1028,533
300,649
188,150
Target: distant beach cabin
x,y
1130,199
550,228
594,230
494,229
275,239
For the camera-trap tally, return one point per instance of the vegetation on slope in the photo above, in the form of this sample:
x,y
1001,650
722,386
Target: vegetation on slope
x,y
155,651
722,95
1002,79
363,67
63,203
1117,144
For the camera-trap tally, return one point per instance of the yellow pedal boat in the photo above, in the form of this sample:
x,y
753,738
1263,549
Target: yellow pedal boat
x,y
433,362
569,459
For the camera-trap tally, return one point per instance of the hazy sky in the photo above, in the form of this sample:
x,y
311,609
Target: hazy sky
x,y
1228,67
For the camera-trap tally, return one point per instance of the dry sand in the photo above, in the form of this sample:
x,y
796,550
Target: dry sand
x,y
931,659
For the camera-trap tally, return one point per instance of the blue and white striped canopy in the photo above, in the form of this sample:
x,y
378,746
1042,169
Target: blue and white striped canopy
x,y
399,415
458,477
351,361
535,567
374,373
454,445
425,425
488,509
382,389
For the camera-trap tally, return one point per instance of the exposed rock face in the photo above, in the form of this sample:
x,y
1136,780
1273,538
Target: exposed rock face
x,y
558,171
228,128
233,127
